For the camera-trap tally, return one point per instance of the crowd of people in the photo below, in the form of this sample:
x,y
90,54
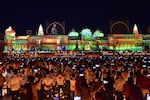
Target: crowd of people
x,y
106,77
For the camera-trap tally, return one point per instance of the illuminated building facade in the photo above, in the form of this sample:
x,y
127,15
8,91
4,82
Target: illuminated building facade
x,y
86,39
128,41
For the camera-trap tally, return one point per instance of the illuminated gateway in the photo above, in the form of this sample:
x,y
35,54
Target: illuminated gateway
x,y
86,39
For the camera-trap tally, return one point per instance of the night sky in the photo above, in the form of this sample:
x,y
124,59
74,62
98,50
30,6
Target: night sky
x,y
28,14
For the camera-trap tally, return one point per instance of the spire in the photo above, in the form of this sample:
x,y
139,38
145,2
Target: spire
x,y
40,31
10,31
135,30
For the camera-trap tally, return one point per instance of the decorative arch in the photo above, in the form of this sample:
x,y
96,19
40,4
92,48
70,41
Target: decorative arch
x,y
119,22
57,23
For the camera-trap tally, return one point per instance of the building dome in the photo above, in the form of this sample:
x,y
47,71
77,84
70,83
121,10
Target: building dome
x,y
86,32
98,33
73,33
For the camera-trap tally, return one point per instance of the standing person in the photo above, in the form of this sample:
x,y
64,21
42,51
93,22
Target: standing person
x,y
125,75
35,88
82,89
118,86
67,76
72,87
26,92
47,83
14,84
2,79
60,81
132,92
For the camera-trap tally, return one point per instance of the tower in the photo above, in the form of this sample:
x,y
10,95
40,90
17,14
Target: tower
x,y
10,36
135,30
10,31
40,30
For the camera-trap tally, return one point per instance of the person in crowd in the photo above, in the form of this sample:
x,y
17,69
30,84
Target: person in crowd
x,y
82,89
131,91
118,86
14,84
78,76
95,88
125,75
72,86
9,74
2,79
47,81
143,82
60,79
47,84
26,92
